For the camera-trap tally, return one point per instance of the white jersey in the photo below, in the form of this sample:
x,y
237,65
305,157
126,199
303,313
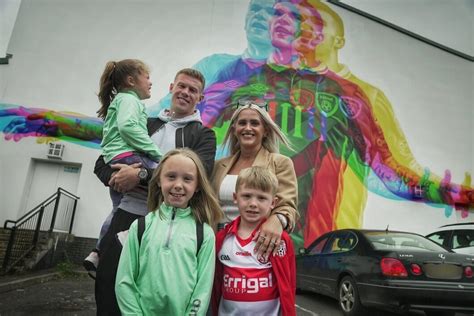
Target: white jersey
x,y
249,285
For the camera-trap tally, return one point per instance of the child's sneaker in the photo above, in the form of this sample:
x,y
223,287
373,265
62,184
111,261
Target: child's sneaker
x,y
91,262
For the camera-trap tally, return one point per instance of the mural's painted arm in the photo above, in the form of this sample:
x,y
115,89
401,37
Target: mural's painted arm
x,y
18,122
402,180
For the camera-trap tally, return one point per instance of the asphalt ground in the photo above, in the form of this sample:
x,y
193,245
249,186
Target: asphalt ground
x,y
47,293
71,292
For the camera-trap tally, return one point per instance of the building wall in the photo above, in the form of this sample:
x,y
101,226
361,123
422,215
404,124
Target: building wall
x,y
72,250
60,49
430,20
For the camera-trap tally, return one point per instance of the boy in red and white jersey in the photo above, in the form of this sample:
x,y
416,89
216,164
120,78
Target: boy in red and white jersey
x,y
245,283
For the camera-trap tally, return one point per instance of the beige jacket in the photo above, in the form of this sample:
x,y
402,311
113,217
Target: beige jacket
x,y
284,170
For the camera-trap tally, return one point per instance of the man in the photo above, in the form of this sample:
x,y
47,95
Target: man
x,y
179,120
178,126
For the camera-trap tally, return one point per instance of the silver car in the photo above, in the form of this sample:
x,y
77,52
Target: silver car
x,y
458,237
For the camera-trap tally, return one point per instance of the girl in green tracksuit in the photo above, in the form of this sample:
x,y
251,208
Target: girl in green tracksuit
x,y
163,274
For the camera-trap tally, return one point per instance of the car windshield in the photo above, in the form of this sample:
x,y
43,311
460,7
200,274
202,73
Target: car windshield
x,y
401,241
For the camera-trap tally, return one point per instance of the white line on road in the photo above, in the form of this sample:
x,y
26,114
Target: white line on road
x,y
306,310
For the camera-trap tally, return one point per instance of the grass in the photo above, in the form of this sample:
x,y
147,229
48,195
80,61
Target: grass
x,y
67,269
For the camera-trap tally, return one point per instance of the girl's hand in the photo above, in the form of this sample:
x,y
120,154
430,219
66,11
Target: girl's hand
x,y
268,237
126,178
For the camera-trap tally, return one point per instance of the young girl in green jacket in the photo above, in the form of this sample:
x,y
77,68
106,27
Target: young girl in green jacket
x,y
163,273
125,139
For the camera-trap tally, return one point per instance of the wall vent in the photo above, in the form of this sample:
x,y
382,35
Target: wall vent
x,y
55,151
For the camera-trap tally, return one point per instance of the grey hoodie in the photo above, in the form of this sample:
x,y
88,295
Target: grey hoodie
x,y
165,137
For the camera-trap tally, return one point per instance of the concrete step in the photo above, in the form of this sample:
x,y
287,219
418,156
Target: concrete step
x,y
29,262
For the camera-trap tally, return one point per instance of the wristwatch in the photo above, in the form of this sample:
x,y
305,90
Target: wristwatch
x,y
283,220
143,176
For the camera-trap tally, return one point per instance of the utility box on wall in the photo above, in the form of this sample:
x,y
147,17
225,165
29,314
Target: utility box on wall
x,y
55,151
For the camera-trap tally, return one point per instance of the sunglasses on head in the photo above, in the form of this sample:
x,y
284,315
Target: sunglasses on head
x,y
261,104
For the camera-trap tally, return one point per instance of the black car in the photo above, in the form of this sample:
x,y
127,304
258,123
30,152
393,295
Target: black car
x,y
396,271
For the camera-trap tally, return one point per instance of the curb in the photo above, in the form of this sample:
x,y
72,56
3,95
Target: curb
x,y
19,282
27,281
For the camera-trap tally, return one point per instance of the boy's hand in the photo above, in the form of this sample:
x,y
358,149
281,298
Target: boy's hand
x,y
268,237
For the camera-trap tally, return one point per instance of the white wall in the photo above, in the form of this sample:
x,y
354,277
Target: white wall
x,y
61,47
8,13
448,22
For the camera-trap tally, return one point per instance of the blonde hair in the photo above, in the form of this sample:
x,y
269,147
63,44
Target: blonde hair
x,y
257,178
114,79
193,73
204,203
270,142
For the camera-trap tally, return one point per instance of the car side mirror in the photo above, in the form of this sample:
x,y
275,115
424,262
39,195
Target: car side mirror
x,y
302,251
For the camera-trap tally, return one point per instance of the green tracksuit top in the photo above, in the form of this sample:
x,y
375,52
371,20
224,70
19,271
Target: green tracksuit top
x,y
163,275
125,128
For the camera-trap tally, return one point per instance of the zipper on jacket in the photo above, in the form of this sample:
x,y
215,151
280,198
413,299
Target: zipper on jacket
x,y
173,215
158,129
151,126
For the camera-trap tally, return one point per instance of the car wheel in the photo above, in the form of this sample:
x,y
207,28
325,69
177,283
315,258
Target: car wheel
x,y
439,313
349,299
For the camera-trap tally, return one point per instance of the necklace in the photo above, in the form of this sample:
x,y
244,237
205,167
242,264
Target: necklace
x,y
241,164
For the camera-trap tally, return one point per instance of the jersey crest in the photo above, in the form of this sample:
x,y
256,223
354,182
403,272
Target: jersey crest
x,y
281,252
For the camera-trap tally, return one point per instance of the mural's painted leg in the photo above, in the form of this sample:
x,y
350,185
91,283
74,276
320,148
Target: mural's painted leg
x,y
325,200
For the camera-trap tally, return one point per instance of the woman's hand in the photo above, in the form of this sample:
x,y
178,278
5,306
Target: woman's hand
x,y
268,237
126,178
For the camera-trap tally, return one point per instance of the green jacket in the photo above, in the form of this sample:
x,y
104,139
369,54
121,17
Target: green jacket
x,y
125,128
163,275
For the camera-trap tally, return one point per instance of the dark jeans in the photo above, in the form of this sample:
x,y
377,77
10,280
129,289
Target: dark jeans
x,y
111,248
130,160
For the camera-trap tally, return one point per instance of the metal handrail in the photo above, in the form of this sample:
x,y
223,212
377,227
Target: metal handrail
x,y
44,203
24,232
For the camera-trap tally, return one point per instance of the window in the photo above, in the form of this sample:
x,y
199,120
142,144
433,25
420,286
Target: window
x,y
441,238
318,247
401,241
463,238
341,242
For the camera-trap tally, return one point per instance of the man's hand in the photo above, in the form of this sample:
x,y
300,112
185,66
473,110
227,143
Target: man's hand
x,y
126,178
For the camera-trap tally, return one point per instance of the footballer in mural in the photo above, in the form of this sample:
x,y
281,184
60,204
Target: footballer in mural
x,y
345,137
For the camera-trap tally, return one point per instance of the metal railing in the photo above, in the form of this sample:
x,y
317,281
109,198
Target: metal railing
x,y
55,213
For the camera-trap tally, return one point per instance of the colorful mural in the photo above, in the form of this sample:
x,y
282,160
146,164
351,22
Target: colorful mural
x,y
346,139
343,129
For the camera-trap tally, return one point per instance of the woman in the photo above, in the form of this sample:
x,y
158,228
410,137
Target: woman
x,y
254,140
